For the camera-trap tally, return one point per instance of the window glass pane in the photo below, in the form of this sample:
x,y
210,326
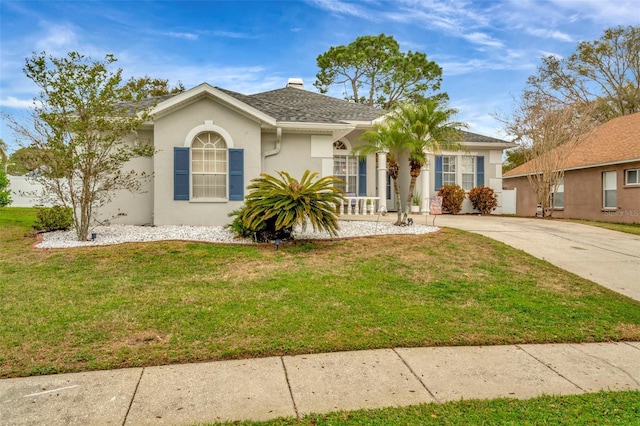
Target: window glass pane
x,y
339,165
609,180
609,188
468,164
558,200
448,178
448,170
351,183
209,166
633,176
610,198
467,182
468,172
345,167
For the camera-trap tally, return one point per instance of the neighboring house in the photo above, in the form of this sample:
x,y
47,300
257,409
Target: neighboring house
x,y
212,142
601,178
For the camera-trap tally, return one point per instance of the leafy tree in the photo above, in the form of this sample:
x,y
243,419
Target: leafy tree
x,y
605,71
3,153
514,157
275,205
136,89
27,159
84,137
377,72
430,128
391,139
547,132
5,192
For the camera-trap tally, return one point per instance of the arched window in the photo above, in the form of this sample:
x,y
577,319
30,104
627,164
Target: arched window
x,y
348,168
209,160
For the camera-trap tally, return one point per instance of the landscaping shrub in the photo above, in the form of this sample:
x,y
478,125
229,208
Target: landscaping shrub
x,y
484,199
5,193
275,205
53,218
452,198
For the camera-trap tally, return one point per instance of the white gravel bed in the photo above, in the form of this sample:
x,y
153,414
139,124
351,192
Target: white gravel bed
x,y
118,234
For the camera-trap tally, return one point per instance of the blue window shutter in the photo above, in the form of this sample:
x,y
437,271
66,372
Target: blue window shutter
x,y
236,174
180,173
480,171
362,178
438,172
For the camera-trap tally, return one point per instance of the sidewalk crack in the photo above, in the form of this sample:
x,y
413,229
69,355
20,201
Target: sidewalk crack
x,y
133,397
416,376
625,372
550,368
286,376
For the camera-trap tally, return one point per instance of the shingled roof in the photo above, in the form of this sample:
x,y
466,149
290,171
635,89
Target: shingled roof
x,y
616,141
301,106
470,137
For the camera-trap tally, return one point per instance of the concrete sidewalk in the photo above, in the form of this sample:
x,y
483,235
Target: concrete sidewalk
x,y
260,389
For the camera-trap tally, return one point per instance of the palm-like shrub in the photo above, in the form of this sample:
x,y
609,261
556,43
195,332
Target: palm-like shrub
x,y
275,205
452,198
484,199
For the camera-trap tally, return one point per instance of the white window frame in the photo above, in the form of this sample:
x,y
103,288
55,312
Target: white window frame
x,y
609,186
464,172
341,152
637,176
553,194
449,164
210,140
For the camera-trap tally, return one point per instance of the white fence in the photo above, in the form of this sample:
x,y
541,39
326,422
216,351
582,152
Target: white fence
x,y
507,201
25,192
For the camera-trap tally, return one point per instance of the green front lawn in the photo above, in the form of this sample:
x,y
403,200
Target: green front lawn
x,y
604,408
629,228
171,302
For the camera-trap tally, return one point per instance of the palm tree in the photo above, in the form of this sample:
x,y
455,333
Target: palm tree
x,y
429,127
390,139
275,205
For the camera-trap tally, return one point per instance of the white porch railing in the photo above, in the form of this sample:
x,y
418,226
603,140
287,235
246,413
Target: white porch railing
x,y
360,205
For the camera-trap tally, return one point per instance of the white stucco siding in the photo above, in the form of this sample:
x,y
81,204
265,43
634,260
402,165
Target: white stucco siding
x,y
171,131
132,208
295,155
492,173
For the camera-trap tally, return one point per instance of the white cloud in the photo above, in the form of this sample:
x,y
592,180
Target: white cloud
x,y
341,7
58,38
186,36
620,12
231,34
545,54
548,33
13,102
483,39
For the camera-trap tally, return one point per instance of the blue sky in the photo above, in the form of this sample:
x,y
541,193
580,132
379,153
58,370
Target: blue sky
x,y
487,49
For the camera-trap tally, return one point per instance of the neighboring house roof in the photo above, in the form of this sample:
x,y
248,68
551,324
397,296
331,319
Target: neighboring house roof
x,y
616,141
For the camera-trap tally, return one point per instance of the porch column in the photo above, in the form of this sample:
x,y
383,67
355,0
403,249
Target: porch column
x,y
426,189
382,180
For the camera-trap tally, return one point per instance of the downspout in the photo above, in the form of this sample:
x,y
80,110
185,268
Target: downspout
x,y
274,151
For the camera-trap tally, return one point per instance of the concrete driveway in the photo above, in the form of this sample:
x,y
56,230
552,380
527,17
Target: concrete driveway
x,y
609,258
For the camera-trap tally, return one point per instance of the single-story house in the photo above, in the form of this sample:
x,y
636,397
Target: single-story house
x,y
601,176
212,142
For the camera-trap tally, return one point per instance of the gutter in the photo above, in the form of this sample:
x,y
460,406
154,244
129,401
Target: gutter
x,y
274,151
